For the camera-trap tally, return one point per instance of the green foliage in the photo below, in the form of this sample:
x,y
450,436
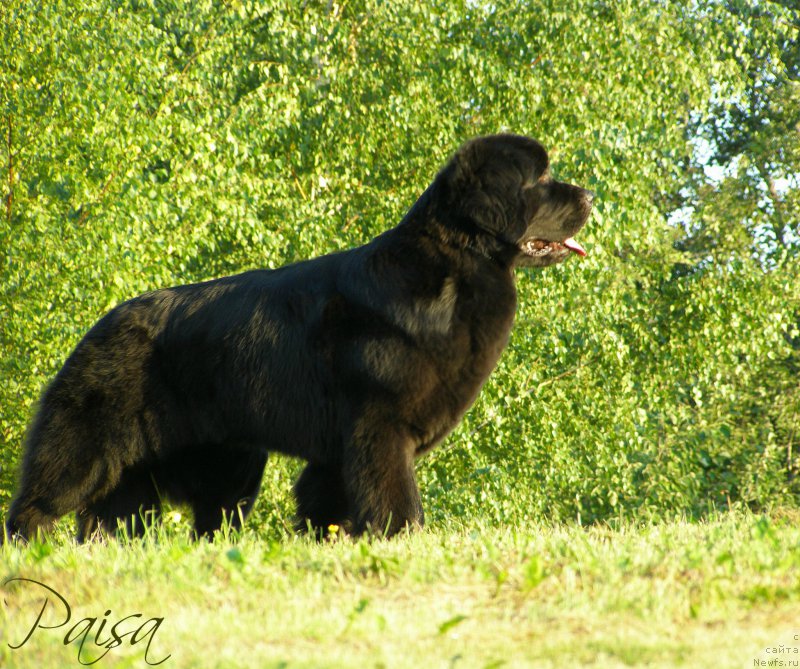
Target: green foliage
x,y
151,142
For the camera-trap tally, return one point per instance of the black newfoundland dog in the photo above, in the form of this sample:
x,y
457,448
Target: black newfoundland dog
x,y
357,362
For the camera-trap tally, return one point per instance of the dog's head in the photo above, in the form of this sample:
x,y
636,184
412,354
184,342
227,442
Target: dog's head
x,y
498,190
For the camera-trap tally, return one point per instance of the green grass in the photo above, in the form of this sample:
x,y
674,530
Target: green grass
x,y
717,593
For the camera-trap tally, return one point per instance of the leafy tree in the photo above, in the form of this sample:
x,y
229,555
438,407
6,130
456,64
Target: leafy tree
x,y
742,189
748,171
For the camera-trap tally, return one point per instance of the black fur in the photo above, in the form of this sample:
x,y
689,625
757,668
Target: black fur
x,y
357,362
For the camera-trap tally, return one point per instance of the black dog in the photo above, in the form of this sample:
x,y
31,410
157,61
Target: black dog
x,y
357,362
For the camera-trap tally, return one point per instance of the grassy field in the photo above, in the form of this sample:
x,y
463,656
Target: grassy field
x,y
720,593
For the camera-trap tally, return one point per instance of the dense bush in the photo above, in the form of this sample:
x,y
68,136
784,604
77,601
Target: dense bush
x,y
152,142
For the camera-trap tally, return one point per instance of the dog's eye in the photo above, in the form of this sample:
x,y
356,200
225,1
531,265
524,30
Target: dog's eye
x,y
537,180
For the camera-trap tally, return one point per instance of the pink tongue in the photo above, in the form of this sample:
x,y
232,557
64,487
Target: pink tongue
x,y
572,245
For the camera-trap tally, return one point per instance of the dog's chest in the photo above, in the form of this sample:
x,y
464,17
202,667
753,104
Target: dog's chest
x,y
459,364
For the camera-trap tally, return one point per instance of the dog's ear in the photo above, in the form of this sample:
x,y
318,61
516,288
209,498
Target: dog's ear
x,y
483,185
475,185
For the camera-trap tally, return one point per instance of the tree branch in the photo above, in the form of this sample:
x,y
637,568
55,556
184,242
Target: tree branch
x,y
10,197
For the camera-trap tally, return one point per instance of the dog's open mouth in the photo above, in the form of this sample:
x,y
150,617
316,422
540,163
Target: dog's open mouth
x,y
537,248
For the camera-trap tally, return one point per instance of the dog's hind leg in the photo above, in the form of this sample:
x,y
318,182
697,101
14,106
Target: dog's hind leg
x,y
321,499
132,506
220,482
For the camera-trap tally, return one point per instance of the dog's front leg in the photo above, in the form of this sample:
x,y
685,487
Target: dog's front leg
x,y
380,482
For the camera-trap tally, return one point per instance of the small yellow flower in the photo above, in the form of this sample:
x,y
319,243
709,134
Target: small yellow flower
x,y
333,529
